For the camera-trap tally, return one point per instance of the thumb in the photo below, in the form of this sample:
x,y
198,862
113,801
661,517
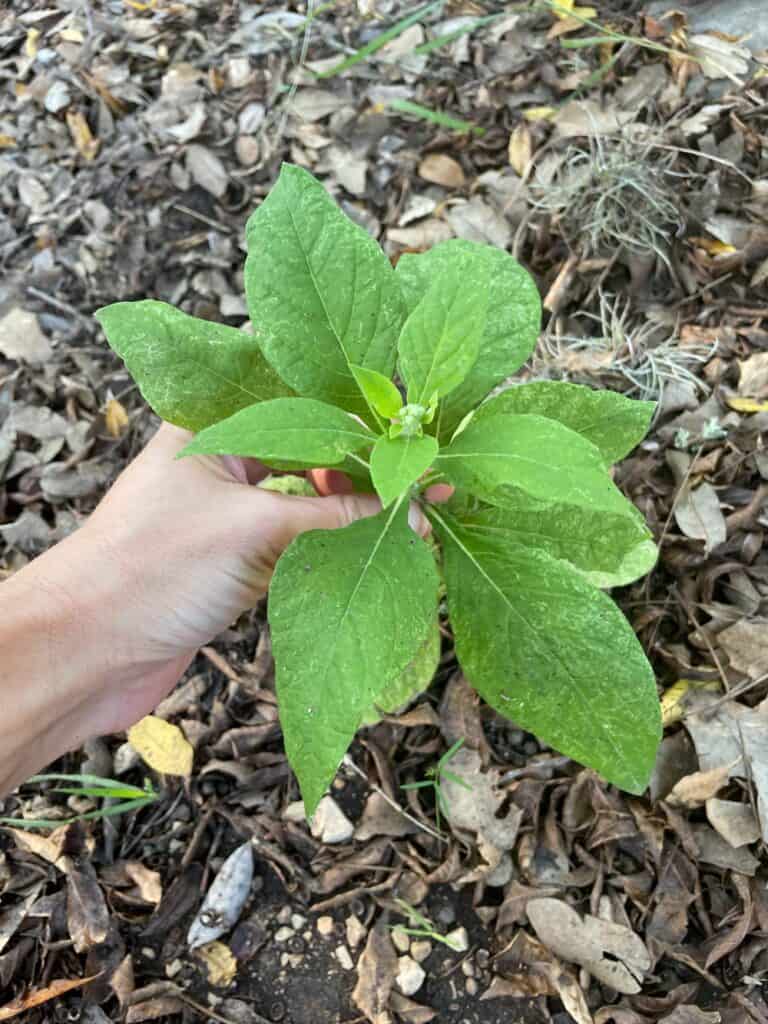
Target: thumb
x,y
297,515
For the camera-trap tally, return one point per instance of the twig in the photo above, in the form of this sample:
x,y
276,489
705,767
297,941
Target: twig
x,y
349,763
63,307
202,218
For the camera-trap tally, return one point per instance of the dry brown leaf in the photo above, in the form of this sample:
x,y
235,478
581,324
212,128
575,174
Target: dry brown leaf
x,y
207,170
746,644
409,1011
614,954
474,806
12,916
719,57
87,913
478,221
154,1009
148,882
84,141
380,818
694,790
21,338
520,148
122,981
53,990
219,962
162,746
115,418
713,849
734,821
423,235
753,376
688,1014
376,970
441,169
48,847
588,118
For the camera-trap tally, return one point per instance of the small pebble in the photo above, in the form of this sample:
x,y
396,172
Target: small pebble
x,y
173,968
468,969
148,953
325,926
420,950
293,960
330,824
471,987
445,916
400,940
294,812
410,976
285,914
297,922
344,958
356,931
284,933
458,939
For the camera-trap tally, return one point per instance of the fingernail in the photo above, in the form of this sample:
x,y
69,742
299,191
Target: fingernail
x,y
417,521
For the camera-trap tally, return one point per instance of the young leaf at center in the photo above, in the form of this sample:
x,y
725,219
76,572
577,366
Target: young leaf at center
x,y
441,337
295,430
349,610
398,462
379,391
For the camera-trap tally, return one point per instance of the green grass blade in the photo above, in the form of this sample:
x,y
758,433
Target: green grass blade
x,y
381,40
104,812
445,120
88,780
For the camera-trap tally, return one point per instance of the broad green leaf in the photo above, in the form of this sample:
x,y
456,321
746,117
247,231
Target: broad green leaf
x,y
379,391
321,293
300,431
613,423
511,324
552,653
398,462
191,372
539,456
608,550
413,680
349,610
441,337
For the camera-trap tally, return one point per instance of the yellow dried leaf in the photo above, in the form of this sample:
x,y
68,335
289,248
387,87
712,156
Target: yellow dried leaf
x,y
138,6
539,113
694,790
673,699
746,405
219,963
520,149
713,246
6,141
71,35
569,8
162,745
30,43
115,418
86,145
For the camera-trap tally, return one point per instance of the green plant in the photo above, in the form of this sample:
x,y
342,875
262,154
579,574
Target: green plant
x,y
425,929
536,523
434,780
129,798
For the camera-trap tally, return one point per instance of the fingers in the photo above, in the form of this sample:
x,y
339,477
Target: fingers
x,y
330,481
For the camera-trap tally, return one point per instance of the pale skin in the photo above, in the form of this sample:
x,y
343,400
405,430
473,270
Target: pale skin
x,y
96,631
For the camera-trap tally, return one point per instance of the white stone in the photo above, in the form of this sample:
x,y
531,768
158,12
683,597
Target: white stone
x,y
458,940
410,976
344,958
420,950
330,824
297,921
400,940
325,926
294,812
284,933
356,931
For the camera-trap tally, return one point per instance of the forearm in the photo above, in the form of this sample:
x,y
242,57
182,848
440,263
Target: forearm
x,y
56,657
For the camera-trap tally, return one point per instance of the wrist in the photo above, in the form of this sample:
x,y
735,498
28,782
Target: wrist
x,y
63,664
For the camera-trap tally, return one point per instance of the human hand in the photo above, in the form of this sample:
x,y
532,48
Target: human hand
x,y
173,554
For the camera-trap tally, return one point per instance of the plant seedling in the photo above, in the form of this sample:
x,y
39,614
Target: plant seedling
x,y
426,929
435,776
386,374
130,798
